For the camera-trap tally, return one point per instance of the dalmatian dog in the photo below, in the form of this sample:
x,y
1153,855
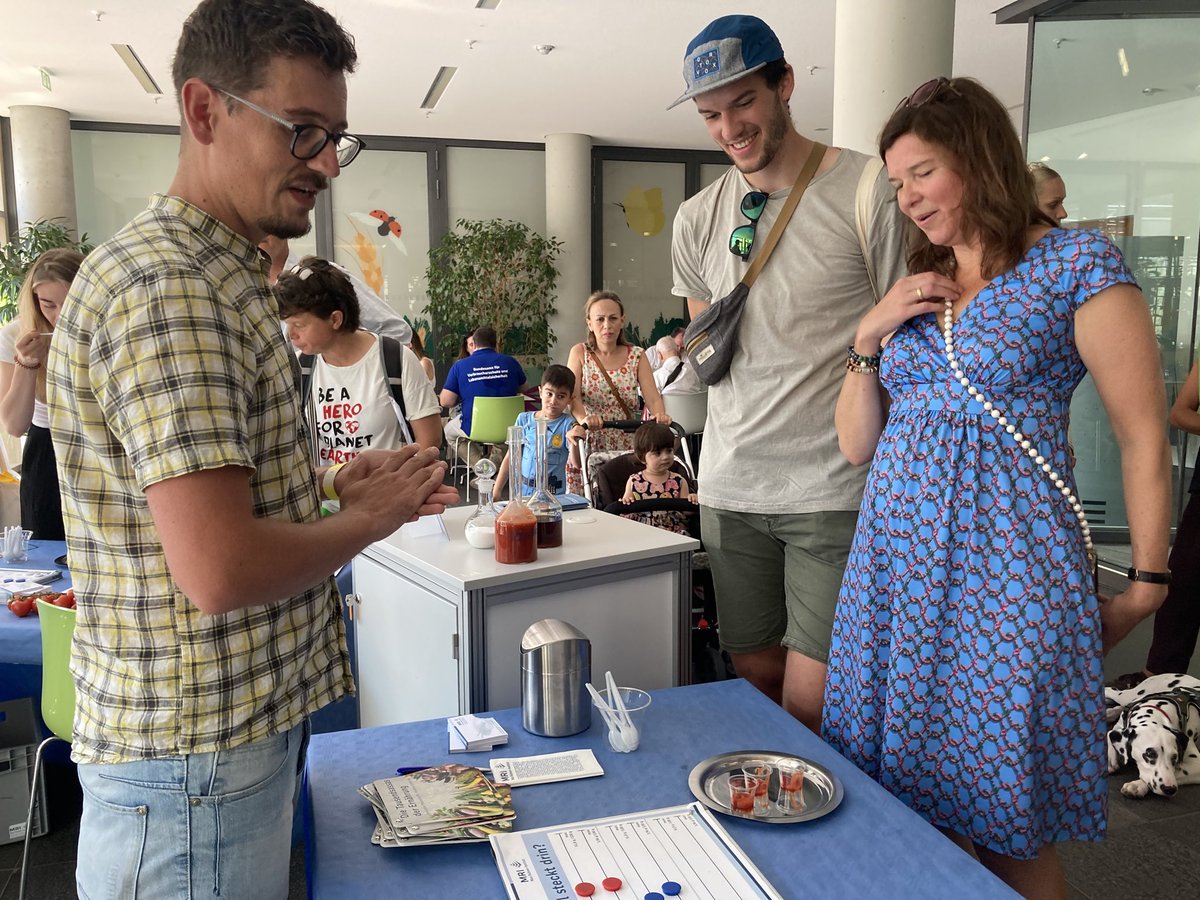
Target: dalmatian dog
x,y
1156,726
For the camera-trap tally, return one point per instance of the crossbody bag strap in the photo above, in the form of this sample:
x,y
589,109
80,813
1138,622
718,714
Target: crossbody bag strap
x,y
789,206
612,387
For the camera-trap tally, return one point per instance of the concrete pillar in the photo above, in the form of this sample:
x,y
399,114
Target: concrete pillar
x,y
569,218
43,173
882,51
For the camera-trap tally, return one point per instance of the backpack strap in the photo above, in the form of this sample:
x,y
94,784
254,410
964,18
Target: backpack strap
x,y
391,356
308,409
678,371
864,201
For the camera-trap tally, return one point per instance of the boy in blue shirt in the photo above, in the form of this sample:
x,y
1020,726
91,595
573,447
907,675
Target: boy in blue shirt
x,y
558,386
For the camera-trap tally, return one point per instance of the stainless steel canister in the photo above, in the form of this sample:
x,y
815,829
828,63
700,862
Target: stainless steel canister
x,y
556,665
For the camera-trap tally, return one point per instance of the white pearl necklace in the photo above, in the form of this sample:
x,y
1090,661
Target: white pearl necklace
x,y
1023,442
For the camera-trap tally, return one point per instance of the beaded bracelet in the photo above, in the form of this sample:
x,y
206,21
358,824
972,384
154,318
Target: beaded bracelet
x,y
861,368
859,360
32,368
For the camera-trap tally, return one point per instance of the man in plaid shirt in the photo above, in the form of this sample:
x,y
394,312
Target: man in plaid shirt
x,y
209,628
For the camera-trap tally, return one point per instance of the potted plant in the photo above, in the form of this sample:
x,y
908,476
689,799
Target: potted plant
x,y
499,273
19,254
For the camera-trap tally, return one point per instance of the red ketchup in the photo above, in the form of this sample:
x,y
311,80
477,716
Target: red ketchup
x,y
516,535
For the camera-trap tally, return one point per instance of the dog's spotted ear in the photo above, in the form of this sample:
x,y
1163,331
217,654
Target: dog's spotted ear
x,y
1181,742
1125,748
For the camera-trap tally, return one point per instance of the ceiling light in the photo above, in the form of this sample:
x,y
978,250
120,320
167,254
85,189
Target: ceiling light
x,y
143,76
543,49
486,4
441,81
1123,62
1151,91
1082,156
1044,159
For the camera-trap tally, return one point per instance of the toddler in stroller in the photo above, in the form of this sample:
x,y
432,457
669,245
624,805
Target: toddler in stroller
x,y
659,479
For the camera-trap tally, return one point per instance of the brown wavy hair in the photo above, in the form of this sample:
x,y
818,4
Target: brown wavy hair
x,y
595,298
974,129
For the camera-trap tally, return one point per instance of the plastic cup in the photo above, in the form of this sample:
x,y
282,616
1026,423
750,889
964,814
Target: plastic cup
x,y
742,793
760,771
636,703
790,798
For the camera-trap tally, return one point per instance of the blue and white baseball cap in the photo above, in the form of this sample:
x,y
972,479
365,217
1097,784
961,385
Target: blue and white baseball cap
x,y
729,48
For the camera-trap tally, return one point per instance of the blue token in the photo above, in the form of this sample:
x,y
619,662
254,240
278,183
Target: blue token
x,y
671,888
653,895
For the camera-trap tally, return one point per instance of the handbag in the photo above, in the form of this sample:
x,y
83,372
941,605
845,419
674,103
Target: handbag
x,y
710,339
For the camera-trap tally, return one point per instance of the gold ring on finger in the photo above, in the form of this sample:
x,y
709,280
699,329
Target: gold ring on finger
x,y
920,295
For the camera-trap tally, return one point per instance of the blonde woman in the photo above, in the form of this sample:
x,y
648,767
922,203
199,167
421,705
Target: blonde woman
x,y
24,346
1050,190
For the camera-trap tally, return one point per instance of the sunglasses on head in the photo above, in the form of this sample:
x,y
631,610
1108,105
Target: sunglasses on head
x,y
741,240
927,92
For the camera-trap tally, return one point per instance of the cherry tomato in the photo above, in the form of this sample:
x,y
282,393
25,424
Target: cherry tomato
x,y
63,600
20,606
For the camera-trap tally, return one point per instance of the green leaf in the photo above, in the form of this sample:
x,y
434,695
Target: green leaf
x,y
499,273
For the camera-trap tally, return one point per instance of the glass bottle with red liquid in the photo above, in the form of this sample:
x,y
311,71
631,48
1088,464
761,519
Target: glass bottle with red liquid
x,y
516,527
543,504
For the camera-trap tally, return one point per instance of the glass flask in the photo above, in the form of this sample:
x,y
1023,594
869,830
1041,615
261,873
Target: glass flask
x,y
480,530
542,503
516,528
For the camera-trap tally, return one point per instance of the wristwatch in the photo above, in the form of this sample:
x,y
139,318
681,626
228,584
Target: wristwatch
x,y
1135,574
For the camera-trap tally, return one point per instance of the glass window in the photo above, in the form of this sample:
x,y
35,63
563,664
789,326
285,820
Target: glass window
x,y
1113,108
486,183
115,174
639,204
381,227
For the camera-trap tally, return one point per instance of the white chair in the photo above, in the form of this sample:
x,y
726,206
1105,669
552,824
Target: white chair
x,y
690,410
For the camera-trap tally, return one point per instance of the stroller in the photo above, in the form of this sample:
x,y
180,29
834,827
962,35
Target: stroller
x,y
605,474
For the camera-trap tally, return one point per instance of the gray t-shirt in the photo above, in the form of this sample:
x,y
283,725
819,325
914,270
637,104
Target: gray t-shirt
x,y
769,444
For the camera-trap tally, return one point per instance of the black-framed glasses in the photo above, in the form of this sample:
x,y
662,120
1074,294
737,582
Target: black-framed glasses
x,y
928,91
741,241
309,140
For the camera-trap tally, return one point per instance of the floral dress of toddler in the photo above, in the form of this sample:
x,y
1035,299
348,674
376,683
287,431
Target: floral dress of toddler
x,y
671,489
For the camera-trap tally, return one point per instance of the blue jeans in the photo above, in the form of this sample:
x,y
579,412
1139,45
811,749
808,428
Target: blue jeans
x,y
204,825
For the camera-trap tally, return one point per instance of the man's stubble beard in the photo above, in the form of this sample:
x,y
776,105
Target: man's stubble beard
x,y
774,136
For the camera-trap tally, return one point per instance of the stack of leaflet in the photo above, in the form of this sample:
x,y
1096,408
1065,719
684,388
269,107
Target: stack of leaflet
x,y
447,804
471,734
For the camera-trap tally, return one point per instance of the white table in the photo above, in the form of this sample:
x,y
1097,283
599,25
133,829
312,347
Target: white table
x,y
438,623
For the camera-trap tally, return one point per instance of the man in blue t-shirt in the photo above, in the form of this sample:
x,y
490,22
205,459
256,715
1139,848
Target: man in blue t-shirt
x,y
485,373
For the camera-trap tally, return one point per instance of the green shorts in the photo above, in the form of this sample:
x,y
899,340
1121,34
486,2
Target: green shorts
x,y
777,577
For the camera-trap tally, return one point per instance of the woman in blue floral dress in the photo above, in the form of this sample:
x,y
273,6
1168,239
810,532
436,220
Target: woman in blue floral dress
x,y
965,671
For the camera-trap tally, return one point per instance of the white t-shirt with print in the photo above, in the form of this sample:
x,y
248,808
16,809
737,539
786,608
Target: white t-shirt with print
x,y
353,409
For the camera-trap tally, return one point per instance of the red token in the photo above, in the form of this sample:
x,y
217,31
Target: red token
x,y
611,884
585,889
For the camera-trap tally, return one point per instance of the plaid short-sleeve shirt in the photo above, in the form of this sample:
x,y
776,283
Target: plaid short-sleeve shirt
x,y
168,360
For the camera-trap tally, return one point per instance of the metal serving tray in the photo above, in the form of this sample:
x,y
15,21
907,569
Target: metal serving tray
x,y
709,782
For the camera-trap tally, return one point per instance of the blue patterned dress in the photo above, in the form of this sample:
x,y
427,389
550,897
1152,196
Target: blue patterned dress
x,y
965,673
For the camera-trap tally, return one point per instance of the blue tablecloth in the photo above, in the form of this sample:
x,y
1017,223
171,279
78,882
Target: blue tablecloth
x,y
871,846
21,639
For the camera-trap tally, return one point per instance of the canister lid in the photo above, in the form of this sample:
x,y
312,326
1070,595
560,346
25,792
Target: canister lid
x,y
549,631
553,646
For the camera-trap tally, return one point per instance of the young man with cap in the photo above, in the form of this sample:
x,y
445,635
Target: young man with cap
x,y
778,500
209,627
